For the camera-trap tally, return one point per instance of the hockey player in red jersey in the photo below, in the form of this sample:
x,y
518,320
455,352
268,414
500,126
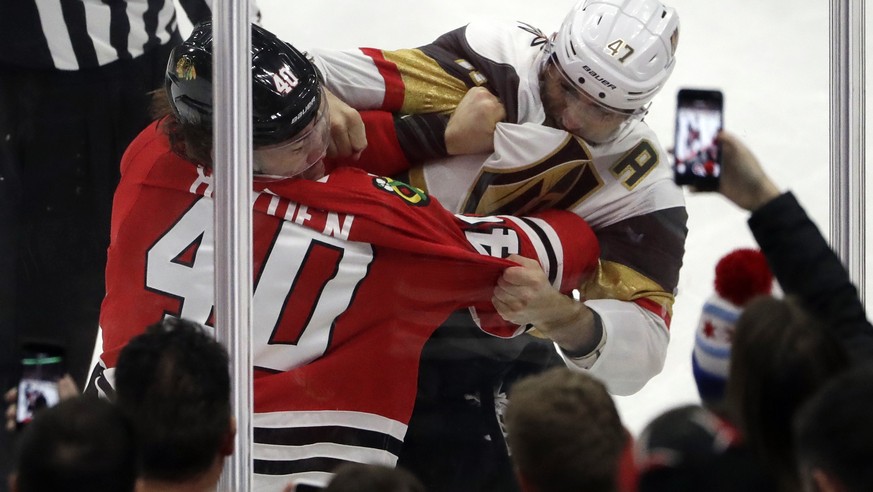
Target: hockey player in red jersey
x,y
573,138
353,272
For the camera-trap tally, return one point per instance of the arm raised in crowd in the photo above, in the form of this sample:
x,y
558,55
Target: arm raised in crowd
x,y
797,252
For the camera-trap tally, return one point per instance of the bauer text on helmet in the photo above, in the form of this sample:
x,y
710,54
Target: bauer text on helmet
x,y
619,52
286,86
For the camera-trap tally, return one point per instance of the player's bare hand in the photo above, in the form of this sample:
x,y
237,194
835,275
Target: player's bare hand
x,y
743,181
523,293
470,130
524,296
348,138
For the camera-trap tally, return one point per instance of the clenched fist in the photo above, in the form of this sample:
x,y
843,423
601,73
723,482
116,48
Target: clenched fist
x,y
470,130
348,138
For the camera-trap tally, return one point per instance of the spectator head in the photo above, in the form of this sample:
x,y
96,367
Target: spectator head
x,y
598,75
565,434
691,449
359,477
79,444
290,120
173,382
834,435
780,356
740,276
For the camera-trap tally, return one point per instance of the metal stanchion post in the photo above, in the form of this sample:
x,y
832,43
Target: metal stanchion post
x,y
847,187
233,238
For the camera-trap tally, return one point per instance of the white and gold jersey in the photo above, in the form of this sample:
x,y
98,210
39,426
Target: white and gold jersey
x,y
624,188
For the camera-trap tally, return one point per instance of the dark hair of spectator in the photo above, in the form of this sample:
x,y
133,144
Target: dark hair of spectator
x,y
80,444
564,432
359,477
173,382
780,356
833,431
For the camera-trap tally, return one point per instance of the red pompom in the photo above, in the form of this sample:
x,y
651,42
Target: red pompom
x,y
742,275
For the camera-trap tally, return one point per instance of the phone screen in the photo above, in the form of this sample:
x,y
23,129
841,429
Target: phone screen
x,y
41,368
699,117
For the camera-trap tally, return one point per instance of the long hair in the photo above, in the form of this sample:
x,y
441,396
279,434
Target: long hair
x,y
780,356
191,142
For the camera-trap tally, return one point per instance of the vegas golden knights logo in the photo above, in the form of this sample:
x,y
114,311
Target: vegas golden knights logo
x,y
559,181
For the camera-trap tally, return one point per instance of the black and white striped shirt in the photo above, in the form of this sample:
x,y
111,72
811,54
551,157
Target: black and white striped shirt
x,y
82,34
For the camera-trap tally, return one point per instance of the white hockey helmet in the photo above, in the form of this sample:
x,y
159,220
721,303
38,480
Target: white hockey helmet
x,y
620,52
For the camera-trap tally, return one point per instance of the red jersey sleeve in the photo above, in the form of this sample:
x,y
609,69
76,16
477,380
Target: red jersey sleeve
x,y
562,242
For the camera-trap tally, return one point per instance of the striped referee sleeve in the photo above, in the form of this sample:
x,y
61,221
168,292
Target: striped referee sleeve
x,y
82,35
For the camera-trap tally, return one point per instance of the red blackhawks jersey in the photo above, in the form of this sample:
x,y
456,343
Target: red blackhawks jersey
x,y
352,274
624,189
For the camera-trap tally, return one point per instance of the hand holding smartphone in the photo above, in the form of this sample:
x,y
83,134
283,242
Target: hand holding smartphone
x,y
42,365
699,118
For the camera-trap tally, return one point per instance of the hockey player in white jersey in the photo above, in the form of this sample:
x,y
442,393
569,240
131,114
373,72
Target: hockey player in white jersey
x,y
574,138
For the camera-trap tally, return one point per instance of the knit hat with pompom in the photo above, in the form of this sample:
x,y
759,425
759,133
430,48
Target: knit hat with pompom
x,y
740,276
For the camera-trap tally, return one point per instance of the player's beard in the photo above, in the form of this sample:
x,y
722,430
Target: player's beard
x,y
557,115
554,114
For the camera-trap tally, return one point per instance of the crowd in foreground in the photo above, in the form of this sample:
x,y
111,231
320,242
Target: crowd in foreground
x,y
789,413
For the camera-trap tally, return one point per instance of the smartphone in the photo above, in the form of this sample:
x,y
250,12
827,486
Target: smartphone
x,y
42,365
699,117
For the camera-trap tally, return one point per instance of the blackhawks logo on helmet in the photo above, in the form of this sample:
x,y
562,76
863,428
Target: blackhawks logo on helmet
x,y
410,194
185,69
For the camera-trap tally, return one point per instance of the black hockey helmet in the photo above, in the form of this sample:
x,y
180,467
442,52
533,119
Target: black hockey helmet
x,y
286,86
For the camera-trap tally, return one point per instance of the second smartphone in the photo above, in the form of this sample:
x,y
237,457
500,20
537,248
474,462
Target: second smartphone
x,y
42,365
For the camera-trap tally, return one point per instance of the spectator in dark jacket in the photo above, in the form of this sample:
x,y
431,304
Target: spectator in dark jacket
x,y
786,349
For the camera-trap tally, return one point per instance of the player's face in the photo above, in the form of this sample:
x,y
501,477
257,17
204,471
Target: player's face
x,y
575,111
302,156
